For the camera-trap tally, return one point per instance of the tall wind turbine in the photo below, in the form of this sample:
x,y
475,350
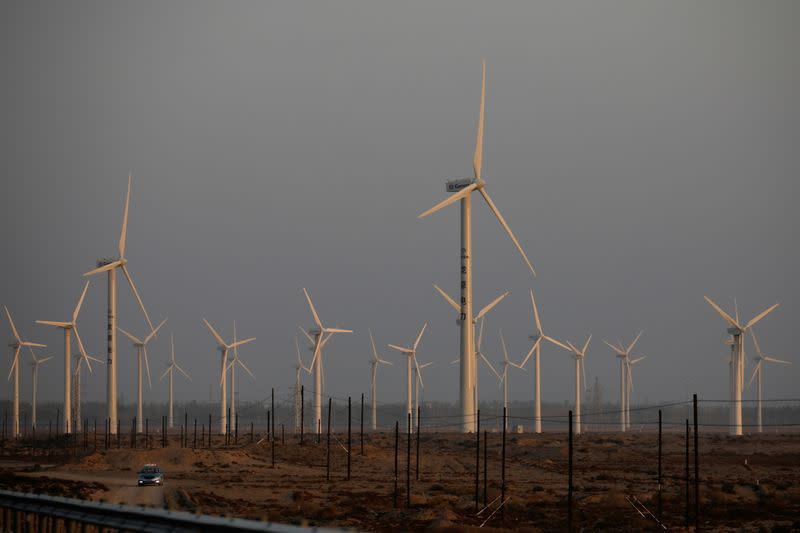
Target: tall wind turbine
x,y
735,331
173,366
463,188
506,362
536,350
35,378
374,361
232,366
580,369
316,362
480,317
111,266
17,345
625,380
68,327
761,361
411,359
141,353
298,384
224,348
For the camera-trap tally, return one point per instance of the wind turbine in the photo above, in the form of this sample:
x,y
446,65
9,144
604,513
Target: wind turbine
x,y
417,385
625,380
76,389
316,362
463,188
68,327
141,353
173,366
224,348
35,378
232,367
411,358
761,361
16,345
479,317
579,369
735,331
536,348
111,265
298,367
374,361
504,375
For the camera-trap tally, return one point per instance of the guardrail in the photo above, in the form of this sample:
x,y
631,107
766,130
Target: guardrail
x,y
33,512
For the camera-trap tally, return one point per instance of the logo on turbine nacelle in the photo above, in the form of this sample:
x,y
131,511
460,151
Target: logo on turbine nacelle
x,y
458,184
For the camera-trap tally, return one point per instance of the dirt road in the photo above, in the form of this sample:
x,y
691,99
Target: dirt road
x,y
122,486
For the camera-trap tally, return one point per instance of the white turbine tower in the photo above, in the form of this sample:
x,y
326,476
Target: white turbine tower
x,y
173,366
17,345
411,359
761,361
625,380
463,189
316,362
68,327
76,388
536,348
232,366
374,361
111,266
224,348
479,317
735,331
580,369
506,362
35,379
141,353
298,367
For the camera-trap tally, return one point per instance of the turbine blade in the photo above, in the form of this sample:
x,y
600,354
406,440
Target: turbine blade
x,y
489,365
503,344
536,314
480,336
183,372
214,332
400,348
586,345
147,366
313,310
450,200
153,333
557,343
419,337
82,350
123,234
760,316
164,374
337,330
385,362
324,340
755,371
491,305
634,342
136,294
40,361
32,344
13,327
535,345
634,361
80,302
477,159
780,361
53,323
572,348
130,336
13,363
374,349
615,348
506,227
104,268
309,337
722,313
241,363
447,298
239,343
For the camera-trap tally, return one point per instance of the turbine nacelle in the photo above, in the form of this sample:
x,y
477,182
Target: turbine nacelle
x,y
457,184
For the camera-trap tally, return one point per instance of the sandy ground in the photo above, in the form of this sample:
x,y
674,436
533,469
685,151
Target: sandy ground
x,y
750,483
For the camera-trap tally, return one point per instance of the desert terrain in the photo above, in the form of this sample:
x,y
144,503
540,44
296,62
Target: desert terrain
x,y
750,483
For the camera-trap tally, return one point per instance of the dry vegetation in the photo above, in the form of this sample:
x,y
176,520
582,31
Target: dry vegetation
x,y
749,482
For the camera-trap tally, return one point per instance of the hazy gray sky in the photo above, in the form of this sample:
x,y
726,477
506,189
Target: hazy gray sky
x,y
645,153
